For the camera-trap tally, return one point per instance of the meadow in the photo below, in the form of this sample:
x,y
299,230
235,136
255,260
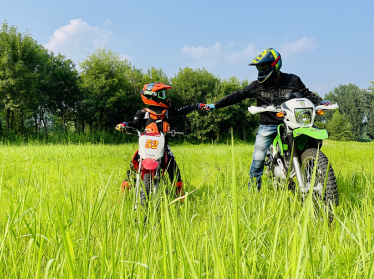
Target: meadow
x,y
63,215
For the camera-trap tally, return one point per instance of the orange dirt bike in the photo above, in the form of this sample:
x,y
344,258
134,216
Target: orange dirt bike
x,y
149,162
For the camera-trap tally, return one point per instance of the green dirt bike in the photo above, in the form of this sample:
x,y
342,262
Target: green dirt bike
x,y
293,153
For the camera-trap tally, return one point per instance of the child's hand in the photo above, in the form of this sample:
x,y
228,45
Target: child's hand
x,y
121,126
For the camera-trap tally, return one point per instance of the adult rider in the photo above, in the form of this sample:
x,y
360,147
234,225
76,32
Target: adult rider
x,y
271,84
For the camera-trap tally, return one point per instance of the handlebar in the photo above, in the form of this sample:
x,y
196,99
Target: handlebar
x,y
255,110
172,133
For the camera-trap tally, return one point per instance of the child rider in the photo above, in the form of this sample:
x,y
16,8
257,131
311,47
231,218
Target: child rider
x,y
155,119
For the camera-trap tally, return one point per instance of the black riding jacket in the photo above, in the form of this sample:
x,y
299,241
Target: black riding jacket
x,y
266,93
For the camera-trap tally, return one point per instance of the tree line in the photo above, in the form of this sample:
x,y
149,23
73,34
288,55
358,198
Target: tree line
x,y
44,93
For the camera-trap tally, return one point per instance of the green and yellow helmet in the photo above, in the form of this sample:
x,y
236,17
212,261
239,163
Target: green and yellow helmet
x,y
268,63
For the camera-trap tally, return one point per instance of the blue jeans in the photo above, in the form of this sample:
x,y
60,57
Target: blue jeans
x,y
265,136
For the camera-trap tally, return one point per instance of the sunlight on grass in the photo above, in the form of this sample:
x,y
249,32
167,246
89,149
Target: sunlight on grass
x,y
63,216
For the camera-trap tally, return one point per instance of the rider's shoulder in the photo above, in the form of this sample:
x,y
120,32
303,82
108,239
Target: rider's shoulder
x,y
290,79
289,76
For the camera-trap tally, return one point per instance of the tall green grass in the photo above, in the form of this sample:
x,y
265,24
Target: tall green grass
x,y
62,215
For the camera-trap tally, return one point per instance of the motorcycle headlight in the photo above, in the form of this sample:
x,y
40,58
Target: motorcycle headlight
x,y
304,116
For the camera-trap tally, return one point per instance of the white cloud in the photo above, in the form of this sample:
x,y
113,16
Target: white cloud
x,y
125,57
304,44
202,52
246,54
227,60
107,22
218,55
206,57
77,39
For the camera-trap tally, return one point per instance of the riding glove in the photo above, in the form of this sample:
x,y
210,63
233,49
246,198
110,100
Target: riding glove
x,y
326,103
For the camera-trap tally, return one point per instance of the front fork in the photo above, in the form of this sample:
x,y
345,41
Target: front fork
x,y
137,184
295,159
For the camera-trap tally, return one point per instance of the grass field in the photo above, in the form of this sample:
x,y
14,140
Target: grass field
x,y
62,215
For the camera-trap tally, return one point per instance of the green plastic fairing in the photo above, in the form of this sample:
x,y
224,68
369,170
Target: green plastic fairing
x,y
311,132
278,140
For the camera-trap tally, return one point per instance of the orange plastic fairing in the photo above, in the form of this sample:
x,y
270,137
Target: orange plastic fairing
x,y
151,128
166,127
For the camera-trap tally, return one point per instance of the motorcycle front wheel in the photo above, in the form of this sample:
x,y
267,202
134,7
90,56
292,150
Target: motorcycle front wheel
x,y
145,189
325,191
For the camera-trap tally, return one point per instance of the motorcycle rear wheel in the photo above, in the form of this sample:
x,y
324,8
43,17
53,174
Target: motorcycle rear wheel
x,y
324,198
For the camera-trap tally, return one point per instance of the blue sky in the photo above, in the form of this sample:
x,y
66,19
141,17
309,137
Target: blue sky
x,y
326,43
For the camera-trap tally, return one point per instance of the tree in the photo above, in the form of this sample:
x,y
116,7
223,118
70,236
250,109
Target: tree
x,y
21,59
106,85
339,128
191,86
369,110
350,99
61,79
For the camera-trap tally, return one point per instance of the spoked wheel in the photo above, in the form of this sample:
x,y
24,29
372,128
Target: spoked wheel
x,y
145,190
323,197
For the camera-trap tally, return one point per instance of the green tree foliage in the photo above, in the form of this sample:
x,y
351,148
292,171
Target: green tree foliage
x,y
106,86
339,128
191,86
21,62
369,110
350,98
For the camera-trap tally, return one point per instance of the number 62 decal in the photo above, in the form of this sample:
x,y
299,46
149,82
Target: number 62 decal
x,y
151,144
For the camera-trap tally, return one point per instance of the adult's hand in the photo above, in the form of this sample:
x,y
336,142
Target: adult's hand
x,y
210,107
326,103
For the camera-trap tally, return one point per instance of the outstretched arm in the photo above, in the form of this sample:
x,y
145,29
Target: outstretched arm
x,y
233,98
183,110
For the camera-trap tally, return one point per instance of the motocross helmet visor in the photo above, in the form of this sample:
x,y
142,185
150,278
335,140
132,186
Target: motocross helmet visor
x,y
161,94
262,67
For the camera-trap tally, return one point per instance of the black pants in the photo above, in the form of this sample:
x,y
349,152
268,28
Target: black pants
x,y
171,167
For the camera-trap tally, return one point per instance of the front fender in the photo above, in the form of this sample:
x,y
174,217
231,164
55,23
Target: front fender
x,y
149,164
311,132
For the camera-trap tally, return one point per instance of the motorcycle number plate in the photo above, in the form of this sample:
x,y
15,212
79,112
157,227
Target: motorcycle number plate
x,y
151,146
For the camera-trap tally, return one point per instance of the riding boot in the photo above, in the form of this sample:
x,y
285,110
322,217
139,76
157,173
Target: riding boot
x,y
179,191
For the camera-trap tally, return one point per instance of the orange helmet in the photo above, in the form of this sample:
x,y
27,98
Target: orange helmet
x,y
154,94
